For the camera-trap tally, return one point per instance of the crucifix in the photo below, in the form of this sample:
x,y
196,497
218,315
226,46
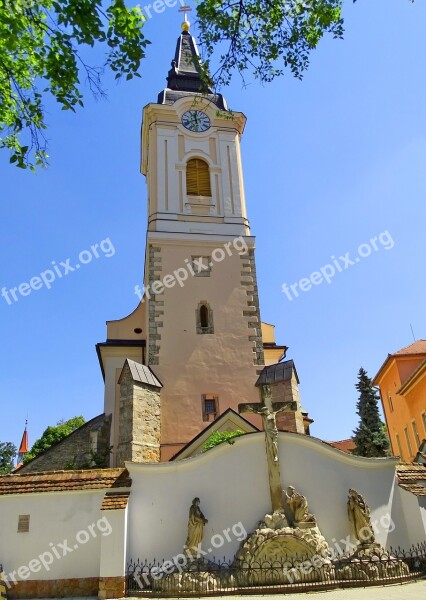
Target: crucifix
x,y
268,410
185,9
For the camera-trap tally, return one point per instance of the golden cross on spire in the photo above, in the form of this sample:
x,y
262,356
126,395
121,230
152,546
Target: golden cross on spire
x,y
185,9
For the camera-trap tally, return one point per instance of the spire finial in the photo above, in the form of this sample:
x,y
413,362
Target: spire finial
x,y
186,24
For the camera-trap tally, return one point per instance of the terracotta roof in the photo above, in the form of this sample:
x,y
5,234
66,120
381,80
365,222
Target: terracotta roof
x,y
418,347
115,501
412,478
64,481
23,448
344,445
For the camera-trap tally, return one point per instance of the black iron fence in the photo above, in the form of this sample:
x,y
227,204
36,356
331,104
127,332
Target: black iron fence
x,y
201,577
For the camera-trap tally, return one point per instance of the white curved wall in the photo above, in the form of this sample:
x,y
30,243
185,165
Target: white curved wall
x,y
232,484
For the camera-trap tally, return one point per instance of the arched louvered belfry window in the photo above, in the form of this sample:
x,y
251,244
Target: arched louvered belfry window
x,y
198,178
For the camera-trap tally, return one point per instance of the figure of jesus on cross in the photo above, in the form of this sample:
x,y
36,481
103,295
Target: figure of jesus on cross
x,y
268,410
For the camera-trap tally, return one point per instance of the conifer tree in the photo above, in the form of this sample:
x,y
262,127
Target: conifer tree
x,y
370,437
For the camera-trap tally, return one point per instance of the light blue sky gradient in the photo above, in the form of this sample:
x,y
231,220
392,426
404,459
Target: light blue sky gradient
x,y
330,162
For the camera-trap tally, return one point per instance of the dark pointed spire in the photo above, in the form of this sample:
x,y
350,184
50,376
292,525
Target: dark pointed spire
x,y
185,74
184,78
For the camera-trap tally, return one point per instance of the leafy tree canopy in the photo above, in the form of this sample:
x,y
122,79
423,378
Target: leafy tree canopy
x,y
265,37
370,437
219,437
53,435
43,42
7,456
40,54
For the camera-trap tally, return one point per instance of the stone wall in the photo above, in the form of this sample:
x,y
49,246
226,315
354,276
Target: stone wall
x,y
249,281
55,588
74,450
139,421
112,587
155,306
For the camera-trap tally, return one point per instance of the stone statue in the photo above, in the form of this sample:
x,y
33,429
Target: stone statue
x,y
196,524
298,506
359,518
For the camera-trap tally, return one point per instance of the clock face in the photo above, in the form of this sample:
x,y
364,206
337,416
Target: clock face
x,y
195,120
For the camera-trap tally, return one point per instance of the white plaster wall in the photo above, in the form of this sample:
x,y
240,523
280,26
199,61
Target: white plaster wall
x,y
54,518
113,549
415,516
232,484
422,505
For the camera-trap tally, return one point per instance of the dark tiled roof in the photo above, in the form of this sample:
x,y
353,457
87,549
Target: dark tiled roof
x,y
142,374
115,501
184,78
171,96
64,481
412,478
275,373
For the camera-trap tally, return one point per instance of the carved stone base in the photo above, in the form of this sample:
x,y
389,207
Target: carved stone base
x,y
275,555
196,582
370,562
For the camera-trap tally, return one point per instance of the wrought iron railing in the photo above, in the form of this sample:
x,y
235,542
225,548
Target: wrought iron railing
x,y
289,574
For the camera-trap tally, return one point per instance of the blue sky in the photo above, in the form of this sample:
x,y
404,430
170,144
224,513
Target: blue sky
x,y
330,163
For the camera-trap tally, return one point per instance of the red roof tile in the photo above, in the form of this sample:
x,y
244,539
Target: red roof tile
x,y
412,478
115,501
64,481
418,347
344,445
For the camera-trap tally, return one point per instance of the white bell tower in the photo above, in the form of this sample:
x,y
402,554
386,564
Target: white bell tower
x,y
204,339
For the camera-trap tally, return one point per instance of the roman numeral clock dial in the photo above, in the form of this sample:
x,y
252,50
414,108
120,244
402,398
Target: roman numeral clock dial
x,y
195,120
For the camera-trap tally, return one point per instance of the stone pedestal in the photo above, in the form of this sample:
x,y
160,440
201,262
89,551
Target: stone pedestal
x,y
278,554
370,562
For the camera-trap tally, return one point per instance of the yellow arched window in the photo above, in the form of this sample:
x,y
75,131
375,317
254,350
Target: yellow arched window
x,y
198,178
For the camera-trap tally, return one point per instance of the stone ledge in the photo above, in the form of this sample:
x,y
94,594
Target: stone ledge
x,y
55,588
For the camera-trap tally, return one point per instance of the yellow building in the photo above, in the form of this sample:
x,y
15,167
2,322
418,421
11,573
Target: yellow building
x,y
402,382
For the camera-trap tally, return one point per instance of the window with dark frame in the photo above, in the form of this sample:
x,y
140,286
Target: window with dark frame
x,y
398,443
23,523
210,407
201,265
407,439
204,318
416,434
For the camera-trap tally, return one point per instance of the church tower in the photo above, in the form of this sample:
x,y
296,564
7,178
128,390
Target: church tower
x,y
195,347
204,339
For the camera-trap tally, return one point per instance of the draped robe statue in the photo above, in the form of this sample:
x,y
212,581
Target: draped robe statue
x,y
196,524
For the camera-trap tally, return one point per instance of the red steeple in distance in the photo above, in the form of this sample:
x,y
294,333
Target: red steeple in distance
x,y
23,448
